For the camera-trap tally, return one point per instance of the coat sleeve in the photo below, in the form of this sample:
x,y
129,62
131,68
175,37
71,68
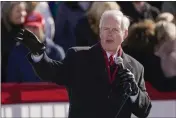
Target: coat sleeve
x,y
142,106
54,71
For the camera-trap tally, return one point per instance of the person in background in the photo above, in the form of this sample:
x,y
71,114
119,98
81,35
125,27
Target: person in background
x,y
44,10
166,47
156,4
140,10
87,29
140,43
54,5
19,69
12,19
141,37
162,62
66,19
174,21
169,6
166,16
145,43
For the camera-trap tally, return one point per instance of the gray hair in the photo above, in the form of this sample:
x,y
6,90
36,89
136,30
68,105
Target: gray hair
x,y
166,29
125,23
166,16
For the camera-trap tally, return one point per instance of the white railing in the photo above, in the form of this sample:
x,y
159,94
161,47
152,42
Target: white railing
x,y
160,109
35,110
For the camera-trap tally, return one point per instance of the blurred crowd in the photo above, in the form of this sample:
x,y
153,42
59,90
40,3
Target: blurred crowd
x,y
61,25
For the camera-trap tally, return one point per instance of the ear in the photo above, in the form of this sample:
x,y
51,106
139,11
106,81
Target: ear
x,y
100,34
125,34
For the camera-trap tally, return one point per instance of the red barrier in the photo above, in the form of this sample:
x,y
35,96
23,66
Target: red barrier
x,y
48,92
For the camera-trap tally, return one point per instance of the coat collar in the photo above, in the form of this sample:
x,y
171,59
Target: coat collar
x,y
98,54
97,58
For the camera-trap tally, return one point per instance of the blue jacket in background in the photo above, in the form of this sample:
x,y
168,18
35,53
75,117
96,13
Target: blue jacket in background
x,y
20,70
65,23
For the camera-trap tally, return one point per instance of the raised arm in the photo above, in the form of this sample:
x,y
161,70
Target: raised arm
x,y
46,68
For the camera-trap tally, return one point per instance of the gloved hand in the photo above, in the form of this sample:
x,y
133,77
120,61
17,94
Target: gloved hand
x,y
127,82
31,41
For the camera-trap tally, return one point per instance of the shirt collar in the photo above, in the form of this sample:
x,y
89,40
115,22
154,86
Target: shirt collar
x,y
108,55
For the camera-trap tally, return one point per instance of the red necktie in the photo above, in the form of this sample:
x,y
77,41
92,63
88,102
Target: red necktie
x,y
111,60
112,67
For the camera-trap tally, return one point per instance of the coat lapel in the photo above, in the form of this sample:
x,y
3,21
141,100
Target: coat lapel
x,y
126,61
99,60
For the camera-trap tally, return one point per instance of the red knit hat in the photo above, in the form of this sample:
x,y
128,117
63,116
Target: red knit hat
x,y
34,19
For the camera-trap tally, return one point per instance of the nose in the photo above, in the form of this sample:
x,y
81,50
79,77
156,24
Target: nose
x,y
23,13
109,32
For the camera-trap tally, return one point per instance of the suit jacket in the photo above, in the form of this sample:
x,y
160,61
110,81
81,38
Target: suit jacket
x,y
85,76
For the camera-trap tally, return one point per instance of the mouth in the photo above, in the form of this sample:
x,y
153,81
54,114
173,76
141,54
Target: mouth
x,y
109,41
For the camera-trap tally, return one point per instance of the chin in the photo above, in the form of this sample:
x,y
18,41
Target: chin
x,y
110,49
21,21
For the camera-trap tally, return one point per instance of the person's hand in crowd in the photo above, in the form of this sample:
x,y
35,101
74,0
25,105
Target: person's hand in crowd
x,y
30,40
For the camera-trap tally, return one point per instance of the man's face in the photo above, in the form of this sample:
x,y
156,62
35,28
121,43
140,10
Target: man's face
x,y
111,33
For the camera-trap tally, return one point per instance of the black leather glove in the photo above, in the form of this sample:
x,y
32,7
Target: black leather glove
x,y
125,81
30,41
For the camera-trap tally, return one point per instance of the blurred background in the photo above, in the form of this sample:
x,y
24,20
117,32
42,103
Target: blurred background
x,y
61,25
